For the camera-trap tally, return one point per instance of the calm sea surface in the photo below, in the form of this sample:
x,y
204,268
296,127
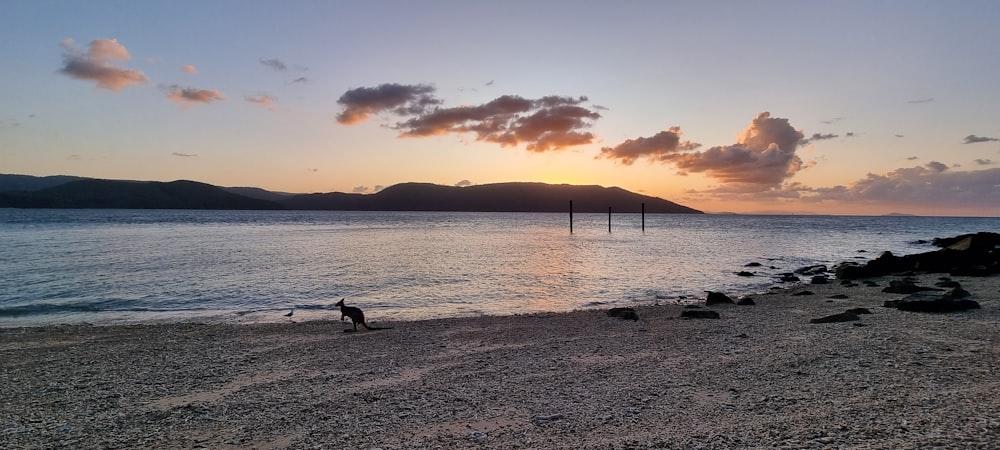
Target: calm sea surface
x,y
127,266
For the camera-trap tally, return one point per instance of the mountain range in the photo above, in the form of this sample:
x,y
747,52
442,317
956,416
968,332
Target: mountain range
x,y
23,191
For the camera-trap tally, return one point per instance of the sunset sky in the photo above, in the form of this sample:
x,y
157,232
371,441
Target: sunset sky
x,y
847,107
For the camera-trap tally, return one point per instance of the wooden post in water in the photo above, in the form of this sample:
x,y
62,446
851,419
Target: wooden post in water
x,y
643,216
609,219
571,217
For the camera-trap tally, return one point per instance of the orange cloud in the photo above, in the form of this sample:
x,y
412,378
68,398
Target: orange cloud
x,y
97,64
658,147
263,100
189,69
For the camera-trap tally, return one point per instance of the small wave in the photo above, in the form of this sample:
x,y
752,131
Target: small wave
x,y
89,307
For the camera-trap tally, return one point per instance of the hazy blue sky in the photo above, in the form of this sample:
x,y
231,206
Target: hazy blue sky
x,y
851,107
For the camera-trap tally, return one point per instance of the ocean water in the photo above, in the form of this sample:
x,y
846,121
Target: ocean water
x,y
132,266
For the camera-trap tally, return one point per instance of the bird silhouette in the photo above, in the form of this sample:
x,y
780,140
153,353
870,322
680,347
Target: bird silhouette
x,y
290,313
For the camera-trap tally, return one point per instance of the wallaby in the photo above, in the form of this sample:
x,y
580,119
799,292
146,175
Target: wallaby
x,y
356,315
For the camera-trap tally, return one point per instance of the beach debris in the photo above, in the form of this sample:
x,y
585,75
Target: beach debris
x,y
699,314
623,313
542,420
718,298
846,316
290,313
478,436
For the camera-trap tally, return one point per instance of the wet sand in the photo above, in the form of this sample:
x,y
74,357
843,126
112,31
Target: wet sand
x,y
760,376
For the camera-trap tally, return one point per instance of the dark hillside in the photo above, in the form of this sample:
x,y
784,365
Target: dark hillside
x,y
500,197
92,193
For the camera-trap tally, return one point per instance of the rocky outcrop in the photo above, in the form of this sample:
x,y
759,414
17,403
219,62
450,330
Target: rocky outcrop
x,y
623,313
718,298
953,300
968,255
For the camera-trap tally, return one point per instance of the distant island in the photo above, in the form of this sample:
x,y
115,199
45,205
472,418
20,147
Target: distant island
x,y
22,191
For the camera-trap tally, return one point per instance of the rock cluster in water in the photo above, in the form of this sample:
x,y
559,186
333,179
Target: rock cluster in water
x,y
965,255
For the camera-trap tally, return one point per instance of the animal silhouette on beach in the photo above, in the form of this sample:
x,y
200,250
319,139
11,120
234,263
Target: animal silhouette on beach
x,y
356,315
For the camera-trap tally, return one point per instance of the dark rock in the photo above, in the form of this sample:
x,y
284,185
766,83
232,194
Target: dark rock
x,y
753,264
870,283
931,303
718,298
859,311
812,270
957,292
973,271
950,301
838,296
745,301
744,273
850,271
692,307
948,283
624,313
801,293
846,316
699,314
906,287
820,279
787,278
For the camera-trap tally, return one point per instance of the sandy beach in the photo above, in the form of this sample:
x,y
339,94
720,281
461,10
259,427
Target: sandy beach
x,y
760,376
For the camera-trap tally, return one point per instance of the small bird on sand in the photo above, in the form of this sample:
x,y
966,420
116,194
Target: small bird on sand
x,y
290,313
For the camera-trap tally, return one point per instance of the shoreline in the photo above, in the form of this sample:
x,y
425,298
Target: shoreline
x,y
759,376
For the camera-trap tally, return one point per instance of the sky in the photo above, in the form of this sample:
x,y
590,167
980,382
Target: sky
x,y
800,107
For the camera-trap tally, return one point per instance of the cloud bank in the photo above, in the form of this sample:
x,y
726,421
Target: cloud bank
x,y
547,123
922,186
763,157
97,64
